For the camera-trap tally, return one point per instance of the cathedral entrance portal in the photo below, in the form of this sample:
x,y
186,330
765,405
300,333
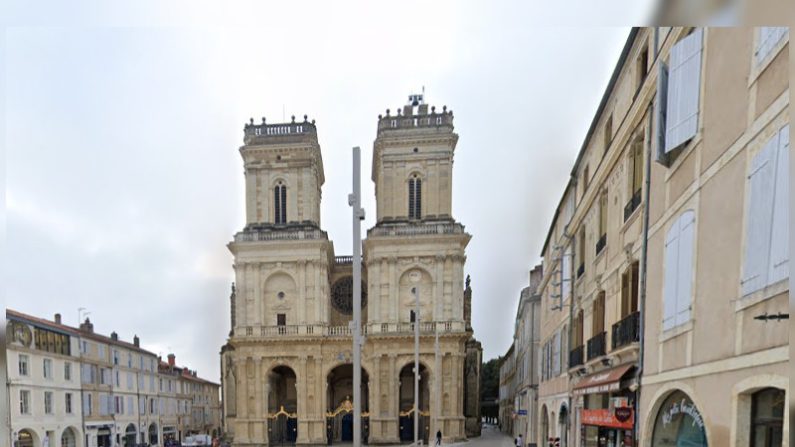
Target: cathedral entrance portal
x,y
339,414
406,425
282,407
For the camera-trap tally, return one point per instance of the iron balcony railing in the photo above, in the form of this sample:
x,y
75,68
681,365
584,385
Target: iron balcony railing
x,y
632,205
576,356
626,331
596,345
600,244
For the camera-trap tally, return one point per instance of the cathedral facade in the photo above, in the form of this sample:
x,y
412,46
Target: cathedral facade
x,y
287,365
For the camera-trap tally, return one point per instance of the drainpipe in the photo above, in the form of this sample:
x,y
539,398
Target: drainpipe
x,y
644,257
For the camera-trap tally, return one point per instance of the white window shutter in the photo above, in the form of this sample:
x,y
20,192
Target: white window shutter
x,y
779,246
669,275
769,36
684,276
684,81
565,286
759,213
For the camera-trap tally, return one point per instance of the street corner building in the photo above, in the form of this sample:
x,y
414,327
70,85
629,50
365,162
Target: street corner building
x,y
665,285
287,368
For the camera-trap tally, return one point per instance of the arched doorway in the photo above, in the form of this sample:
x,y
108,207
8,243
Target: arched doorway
x,y
282,406
563,426
129,436
339,405
679,423
406,403
27,438
153,434
69,437
544,426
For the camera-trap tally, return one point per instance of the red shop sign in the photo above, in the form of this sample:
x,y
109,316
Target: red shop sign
x,y
622,417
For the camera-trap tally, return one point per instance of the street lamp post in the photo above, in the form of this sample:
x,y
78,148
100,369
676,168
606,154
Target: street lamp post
x,y
354,200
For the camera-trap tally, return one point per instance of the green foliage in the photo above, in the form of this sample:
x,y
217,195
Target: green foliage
x,y
490,380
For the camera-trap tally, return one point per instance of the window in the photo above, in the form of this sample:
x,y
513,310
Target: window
x,y
67,371
578,330
684,81
281,319
118,378
608,132
581,251
104,404
47,368
129,380
585,178
101,350
598,316
87,407
104,376
130,405
50,341
48,402
115,357
129,360
24,402
678,275
629,290
23,364
769,37
415,197
566,262
68,403
280,203
634,176
84,347
767,418
641,67
600,244
766,258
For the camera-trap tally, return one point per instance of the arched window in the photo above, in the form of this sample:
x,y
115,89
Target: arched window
x,y
767,418
280,203
678,285
415,197
679,423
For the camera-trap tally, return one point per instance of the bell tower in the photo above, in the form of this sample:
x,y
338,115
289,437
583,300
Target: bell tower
x,y
284,173
413,163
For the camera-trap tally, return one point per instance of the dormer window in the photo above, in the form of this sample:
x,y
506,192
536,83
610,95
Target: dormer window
x,y
415,197
280,203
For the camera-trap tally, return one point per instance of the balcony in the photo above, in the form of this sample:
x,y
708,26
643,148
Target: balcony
x,y
600,244
632,205
322,330
596,345
581,270
626,331
576,356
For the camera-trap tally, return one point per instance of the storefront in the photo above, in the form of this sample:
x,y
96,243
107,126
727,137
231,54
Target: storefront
x,y
606,408
679,423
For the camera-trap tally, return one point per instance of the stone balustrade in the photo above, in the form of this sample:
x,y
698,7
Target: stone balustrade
x,y
322,330
416,229
280,235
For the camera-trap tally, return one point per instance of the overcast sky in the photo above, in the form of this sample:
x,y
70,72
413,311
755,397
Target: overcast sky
x,y
122,127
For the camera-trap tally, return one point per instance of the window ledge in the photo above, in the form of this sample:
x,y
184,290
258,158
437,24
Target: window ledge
x,y
685,151
763,294
631,219
676,331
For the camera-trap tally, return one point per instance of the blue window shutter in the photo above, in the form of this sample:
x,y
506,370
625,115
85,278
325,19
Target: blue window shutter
x,y
759,213
670,276
684,82
779,246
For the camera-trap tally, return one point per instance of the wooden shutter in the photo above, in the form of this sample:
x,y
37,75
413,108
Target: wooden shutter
x,y
565,286
759,213
411,199
769,36
418,199
284,203
779,246
684,80
670,276
684,277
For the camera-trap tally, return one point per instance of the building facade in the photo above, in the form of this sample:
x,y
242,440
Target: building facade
x,y
43,382
666,264
287,366
73,387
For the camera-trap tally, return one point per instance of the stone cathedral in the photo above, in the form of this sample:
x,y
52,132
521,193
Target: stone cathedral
x,y
287,366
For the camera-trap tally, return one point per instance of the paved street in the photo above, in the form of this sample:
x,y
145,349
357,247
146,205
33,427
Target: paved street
x,y
490,436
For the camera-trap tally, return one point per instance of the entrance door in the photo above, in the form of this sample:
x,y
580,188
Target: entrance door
x,y
407,428
347,428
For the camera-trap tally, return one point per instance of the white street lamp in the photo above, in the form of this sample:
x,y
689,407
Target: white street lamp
x,y
415,278
354,200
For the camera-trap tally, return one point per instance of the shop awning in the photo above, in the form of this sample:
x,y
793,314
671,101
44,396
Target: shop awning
x,y
603,381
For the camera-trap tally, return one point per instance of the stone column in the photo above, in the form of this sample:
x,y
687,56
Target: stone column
x,y
301,394
458,289
438,292
374,294
301,269
259,304
315,272
393,290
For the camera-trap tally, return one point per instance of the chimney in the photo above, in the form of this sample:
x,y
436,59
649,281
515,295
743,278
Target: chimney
x,y
172,360
114,336
136,341
87,326
58,318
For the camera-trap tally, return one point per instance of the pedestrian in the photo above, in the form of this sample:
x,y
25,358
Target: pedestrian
x,y
519,441
439,437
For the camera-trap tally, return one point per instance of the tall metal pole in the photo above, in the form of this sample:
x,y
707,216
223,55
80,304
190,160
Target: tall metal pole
x,y
354,200
416,291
